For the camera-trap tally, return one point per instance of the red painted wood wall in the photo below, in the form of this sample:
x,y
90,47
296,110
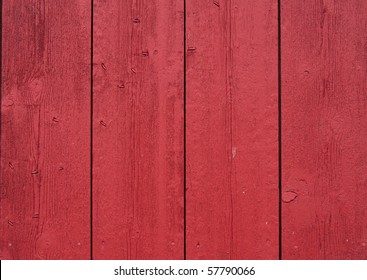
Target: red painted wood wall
x,y
183,129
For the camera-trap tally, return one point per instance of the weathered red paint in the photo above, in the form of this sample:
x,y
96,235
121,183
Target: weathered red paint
x,y
137,117
138,130
324,66
232,130
45,135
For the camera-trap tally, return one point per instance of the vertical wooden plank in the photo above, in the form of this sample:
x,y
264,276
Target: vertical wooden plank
x,y
232,158
324,129
138,130
45,132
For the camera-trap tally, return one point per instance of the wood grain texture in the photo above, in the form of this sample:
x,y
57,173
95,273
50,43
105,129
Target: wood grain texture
x,y
45,140
138,130
232,121
324,66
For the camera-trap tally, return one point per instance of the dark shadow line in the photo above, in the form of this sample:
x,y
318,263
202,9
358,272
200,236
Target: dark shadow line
x,y
280,126
184,100
91,131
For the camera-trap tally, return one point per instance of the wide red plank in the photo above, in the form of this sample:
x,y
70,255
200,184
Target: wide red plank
x,y
324,69
232,130
138,130
45,132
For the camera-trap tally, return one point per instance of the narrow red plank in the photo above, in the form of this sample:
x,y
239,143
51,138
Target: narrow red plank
x,y
45,132
232,130
138,130
324,129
